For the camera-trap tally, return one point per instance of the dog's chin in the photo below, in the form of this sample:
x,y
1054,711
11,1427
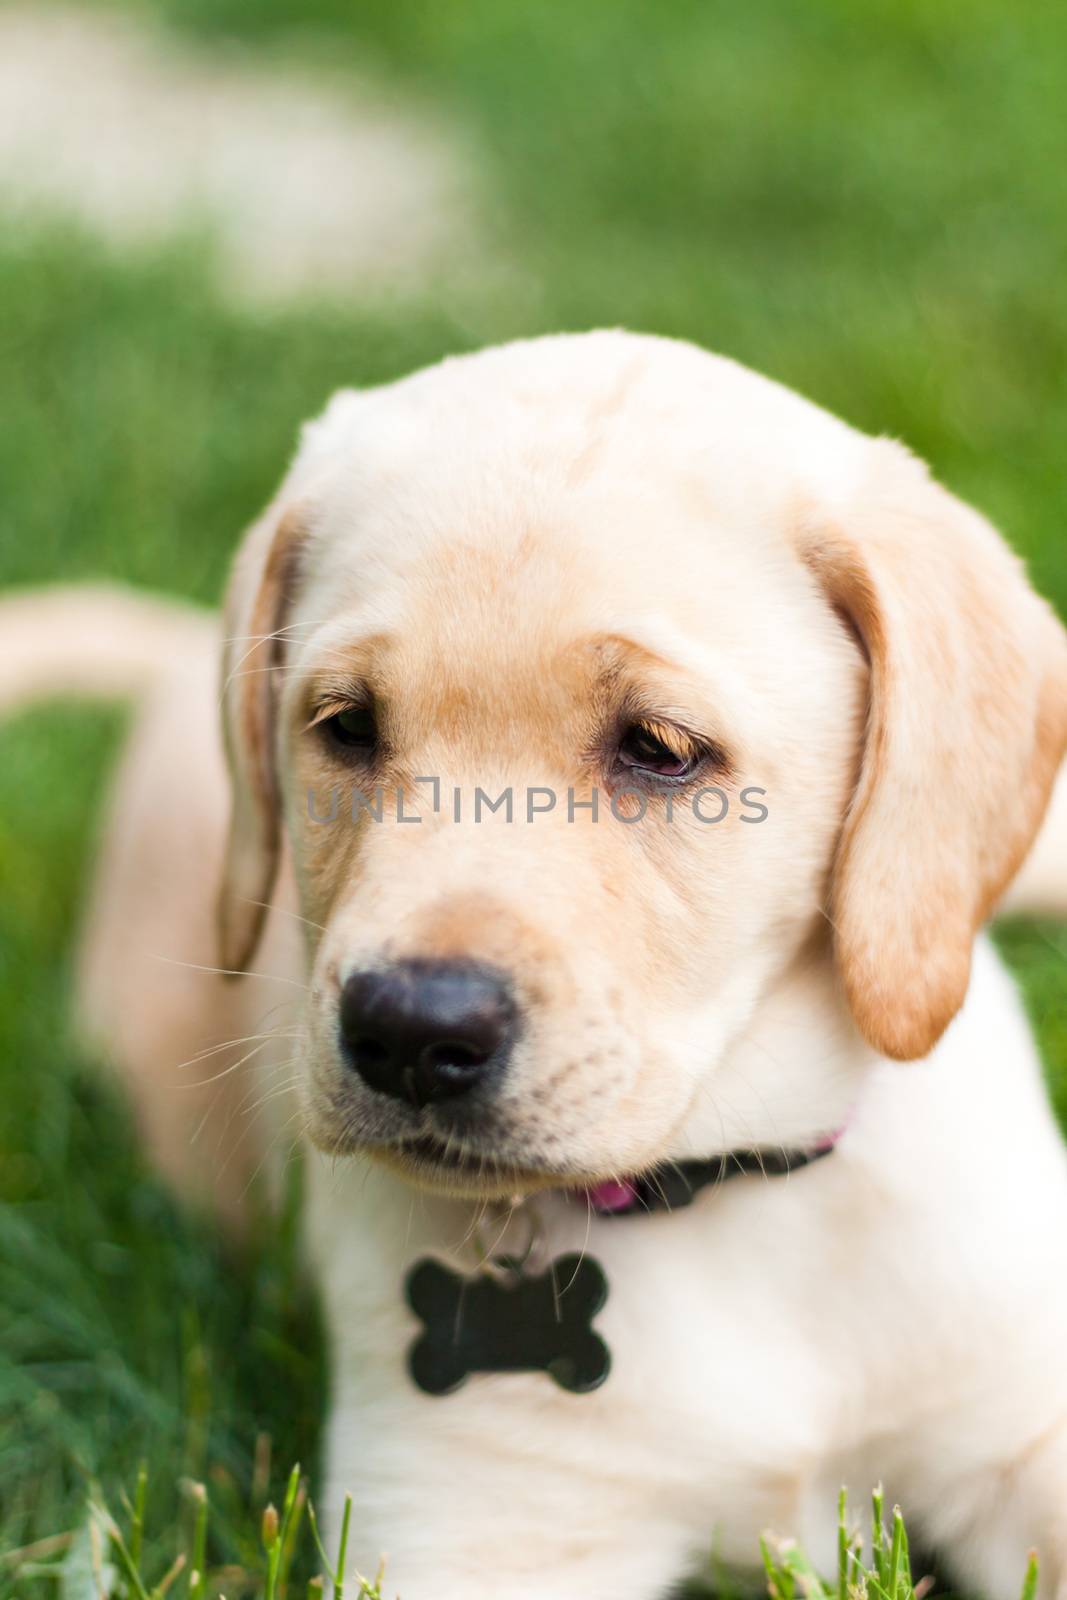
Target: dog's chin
x,y
441,1168
445,1167
455,1168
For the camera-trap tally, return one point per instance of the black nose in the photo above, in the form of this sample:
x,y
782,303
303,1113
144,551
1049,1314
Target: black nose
x,y
427,1030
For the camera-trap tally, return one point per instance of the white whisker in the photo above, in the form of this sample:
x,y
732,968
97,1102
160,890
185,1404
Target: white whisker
x,y
229,972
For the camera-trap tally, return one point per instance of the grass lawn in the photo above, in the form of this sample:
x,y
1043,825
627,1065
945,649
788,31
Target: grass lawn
x,y
867,203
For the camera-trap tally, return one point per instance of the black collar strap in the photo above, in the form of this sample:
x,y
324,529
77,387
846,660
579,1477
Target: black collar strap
x,y
675,1184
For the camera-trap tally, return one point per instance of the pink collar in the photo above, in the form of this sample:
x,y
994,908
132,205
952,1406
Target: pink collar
x,y
674,1184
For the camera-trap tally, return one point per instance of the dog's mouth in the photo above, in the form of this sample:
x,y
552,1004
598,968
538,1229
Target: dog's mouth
x,y
446,1165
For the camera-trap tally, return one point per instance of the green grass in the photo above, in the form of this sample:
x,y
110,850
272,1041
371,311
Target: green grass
x,y
883,1574
866,203
281,1552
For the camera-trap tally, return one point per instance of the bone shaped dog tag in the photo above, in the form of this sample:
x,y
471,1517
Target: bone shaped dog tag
x,y
514,1323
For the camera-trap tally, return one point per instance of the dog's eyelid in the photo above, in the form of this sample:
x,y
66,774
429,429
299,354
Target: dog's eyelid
x,y
332,705
323,712
672,735
339,689
700,747
676,734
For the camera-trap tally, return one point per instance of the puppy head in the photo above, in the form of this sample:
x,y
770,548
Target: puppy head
x,y
592,682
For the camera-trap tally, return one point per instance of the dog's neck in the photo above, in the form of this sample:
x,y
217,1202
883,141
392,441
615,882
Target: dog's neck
x,y
791,1077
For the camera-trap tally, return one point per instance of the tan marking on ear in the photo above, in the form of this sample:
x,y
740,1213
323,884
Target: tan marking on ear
x,y
258,599
967,727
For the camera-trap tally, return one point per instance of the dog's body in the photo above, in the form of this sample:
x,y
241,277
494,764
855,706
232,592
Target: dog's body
x,y
896,1311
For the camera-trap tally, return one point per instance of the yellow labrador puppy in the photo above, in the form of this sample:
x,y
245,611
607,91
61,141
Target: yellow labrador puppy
x,y
623,757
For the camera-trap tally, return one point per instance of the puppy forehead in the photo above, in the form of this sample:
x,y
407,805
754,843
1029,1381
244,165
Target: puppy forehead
x,y
641,573
504,503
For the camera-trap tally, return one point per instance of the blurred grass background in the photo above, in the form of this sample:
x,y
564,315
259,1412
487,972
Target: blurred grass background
x,y
868,204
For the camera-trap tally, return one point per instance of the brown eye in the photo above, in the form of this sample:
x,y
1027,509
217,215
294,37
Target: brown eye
x,y
355,728
641,751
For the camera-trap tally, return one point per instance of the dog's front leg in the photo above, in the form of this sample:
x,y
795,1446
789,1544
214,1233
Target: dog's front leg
x,y
472,1497
986,1496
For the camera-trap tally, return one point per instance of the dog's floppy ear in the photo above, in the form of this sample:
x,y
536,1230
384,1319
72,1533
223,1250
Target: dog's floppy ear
x,y
967,725
263,582
261,587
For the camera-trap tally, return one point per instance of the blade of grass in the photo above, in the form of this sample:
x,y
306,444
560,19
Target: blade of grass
x,y
198,1572
770,1567
121,1548
896,1554
176,1568
272,1545
843,1546
878,1542
313,1523
290,1531
140,1495
342,1552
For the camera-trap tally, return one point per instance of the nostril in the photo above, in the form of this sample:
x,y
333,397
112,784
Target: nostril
x,y
371,1059
370,1050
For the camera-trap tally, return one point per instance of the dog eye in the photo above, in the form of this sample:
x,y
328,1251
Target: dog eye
x,y
355,728
641,751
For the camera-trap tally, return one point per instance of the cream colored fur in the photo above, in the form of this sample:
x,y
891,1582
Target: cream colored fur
x,y
499,546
